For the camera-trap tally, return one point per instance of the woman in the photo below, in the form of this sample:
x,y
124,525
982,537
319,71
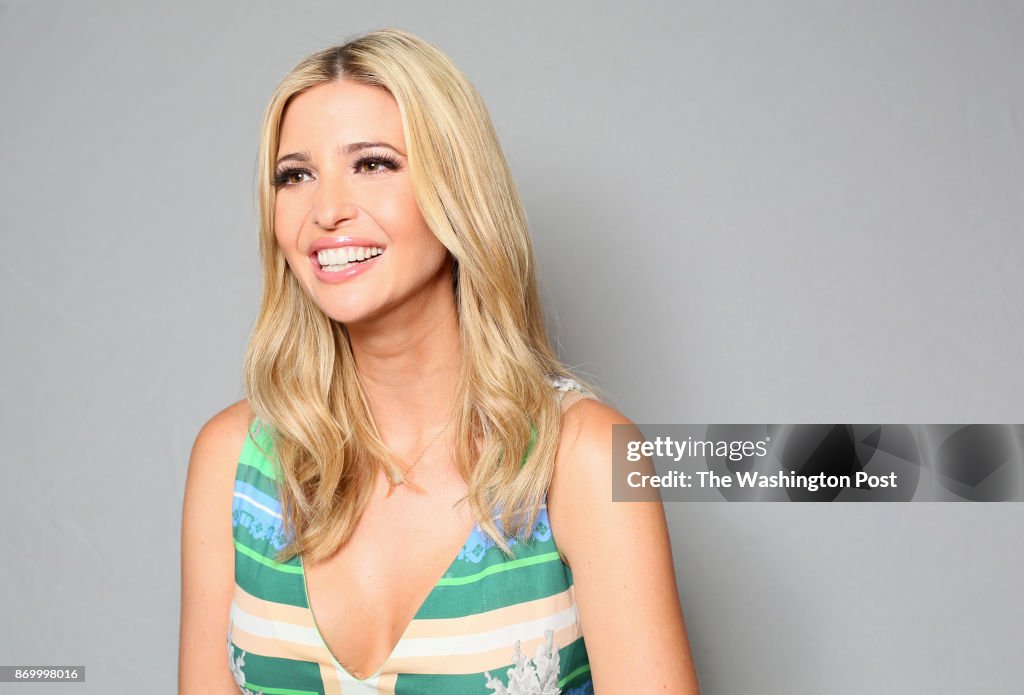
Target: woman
x,y
404,407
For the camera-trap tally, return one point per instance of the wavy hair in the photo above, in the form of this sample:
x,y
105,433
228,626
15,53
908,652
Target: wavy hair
x,y
299,373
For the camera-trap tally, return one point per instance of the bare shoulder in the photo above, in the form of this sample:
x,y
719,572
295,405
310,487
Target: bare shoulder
x,y
587,423
233,420
214,459
216,450
581,485
211,474
621,558
207,551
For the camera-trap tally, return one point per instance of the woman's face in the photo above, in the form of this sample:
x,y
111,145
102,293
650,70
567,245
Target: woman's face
x,y
343,183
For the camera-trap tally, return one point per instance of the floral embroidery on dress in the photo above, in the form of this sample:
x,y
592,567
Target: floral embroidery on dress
x,y
259,529
479,542
236,664
259,513
539,677
563,384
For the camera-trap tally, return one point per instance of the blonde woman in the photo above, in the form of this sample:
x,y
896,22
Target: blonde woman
x,y
404,408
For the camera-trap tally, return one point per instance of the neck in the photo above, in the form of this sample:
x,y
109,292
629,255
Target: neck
x,y
409,362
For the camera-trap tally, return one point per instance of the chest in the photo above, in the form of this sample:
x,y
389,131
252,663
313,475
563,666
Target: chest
x,y
418,589
365,597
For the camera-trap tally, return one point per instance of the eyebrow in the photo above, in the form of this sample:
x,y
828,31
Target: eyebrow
x,y
342,150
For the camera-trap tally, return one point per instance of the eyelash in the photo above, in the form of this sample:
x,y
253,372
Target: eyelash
x,y
281,176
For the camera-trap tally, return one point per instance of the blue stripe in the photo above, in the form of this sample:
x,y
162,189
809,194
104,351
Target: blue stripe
x,y
261,525
257,495
475,549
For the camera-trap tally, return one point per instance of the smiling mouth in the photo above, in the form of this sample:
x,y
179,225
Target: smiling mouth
x,y
334,260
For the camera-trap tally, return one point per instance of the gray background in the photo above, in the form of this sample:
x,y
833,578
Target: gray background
x,y
786,212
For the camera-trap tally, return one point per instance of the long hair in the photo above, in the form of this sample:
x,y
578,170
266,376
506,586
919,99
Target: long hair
x,y
299,374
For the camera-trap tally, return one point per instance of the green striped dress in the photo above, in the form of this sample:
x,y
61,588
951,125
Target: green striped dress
x,y
470,625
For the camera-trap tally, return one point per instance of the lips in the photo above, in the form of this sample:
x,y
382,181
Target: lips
x,y
352,270
337,242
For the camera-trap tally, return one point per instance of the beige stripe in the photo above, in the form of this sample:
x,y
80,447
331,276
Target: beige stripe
x,y
419,629
483,661
289,650
329,675
423,627
270,610
386,683
491,620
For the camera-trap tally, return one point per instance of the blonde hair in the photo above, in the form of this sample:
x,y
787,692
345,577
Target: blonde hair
x,y
299,374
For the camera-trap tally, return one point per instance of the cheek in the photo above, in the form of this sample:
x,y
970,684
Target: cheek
x,y
401,217
286,231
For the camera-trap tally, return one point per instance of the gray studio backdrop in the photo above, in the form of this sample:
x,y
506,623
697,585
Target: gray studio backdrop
x,y
789,212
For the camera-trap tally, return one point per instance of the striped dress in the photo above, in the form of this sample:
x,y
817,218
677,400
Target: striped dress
x,y
471,624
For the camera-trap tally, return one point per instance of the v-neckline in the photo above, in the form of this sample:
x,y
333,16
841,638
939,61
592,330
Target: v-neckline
x,y
405,632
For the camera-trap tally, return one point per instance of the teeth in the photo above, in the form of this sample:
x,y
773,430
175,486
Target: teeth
x,y
348,254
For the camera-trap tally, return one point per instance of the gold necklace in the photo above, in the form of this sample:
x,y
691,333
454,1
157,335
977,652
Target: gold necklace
x,y
402,476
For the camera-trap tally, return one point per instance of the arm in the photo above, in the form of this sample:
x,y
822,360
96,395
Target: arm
x,y
621,562
208,554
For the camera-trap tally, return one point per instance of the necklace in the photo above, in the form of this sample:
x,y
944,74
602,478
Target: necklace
x,y
402,476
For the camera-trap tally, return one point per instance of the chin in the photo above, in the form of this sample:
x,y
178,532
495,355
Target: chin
x,y
344,307
350,316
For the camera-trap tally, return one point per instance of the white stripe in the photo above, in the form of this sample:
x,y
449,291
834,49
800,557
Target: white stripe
x,y
485,641
272,629
353,687
253,502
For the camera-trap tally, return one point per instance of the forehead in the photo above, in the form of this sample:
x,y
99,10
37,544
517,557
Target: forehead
x,y
341,111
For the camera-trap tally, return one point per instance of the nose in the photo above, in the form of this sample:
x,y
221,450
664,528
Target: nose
x,y
333,202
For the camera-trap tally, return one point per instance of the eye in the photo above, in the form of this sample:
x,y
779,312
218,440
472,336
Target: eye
x,y
375,164
283,176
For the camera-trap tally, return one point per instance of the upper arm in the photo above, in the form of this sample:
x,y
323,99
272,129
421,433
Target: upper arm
x,y
207,553
621,563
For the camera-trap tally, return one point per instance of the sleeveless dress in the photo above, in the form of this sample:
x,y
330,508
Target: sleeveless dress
x,y
488,620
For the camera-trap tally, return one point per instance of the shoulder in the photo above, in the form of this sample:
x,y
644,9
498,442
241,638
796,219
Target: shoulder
x,y
233,420
585,439
207,549
580,496
620,555
587,424
227,428
211,475
217,448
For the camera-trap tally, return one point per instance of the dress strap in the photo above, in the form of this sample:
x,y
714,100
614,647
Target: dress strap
x,y
570,391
